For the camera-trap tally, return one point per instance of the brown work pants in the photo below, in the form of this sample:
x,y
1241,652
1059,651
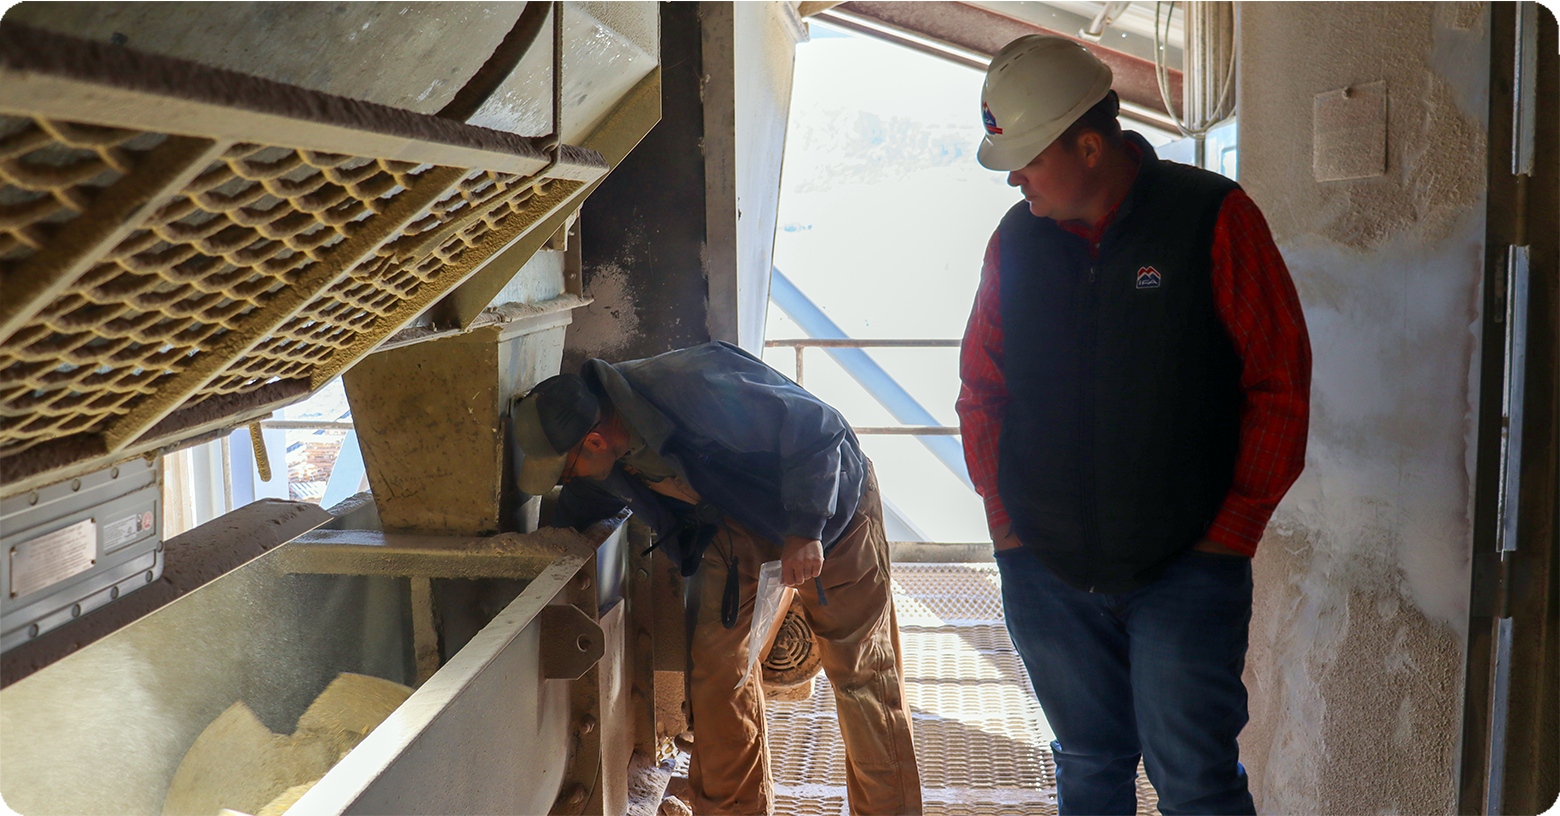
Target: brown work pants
x,y
859,640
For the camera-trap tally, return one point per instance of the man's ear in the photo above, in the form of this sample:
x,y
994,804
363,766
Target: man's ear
x,y
1091,146
594,442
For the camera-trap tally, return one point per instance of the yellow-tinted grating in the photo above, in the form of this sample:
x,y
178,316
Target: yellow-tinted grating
x,y
248,227
212,267
185,248
982,743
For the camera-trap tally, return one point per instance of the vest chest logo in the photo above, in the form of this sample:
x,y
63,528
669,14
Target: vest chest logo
x,y
1148,278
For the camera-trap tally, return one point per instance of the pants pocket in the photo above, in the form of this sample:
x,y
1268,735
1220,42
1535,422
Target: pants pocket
x,y
866,708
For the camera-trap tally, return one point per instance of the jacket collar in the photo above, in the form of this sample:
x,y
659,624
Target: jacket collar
x,y
637,412
1148,174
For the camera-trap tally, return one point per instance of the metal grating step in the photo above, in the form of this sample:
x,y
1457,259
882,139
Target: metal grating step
x,y
982,741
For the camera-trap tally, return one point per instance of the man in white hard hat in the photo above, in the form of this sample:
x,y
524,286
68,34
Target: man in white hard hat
x,y
1135,375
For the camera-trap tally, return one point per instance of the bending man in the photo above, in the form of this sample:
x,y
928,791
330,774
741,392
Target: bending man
x,y
735,465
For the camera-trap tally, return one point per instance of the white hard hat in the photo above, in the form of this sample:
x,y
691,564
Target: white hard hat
x,y
1036,87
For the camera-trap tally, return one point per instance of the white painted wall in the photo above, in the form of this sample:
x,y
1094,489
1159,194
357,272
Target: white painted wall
x,y
1359,632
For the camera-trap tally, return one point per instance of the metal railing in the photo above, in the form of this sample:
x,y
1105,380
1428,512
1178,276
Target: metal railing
x,y
801,344
900,551
301,425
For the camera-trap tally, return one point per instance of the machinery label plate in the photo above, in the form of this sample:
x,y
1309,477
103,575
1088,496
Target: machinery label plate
x,y
49,559
120,532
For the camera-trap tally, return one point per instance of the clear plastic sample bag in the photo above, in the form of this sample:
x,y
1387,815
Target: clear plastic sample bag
x,y
769,607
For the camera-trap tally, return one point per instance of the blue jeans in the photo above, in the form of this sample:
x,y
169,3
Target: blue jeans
x,y
1153,673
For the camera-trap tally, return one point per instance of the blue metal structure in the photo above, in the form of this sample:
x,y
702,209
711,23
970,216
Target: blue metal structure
x,y
861,367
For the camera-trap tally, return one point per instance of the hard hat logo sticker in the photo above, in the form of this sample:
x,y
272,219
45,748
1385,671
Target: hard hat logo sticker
x,y
1148,278
991,121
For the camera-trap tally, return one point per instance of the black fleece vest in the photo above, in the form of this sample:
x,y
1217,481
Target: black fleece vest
x,y
1120,441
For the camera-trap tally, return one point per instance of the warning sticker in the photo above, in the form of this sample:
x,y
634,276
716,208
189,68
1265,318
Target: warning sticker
x,y
122,531
49,559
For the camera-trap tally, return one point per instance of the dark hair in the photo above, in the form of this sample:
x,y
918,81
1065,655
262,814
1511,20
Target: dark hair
x,y
1101,118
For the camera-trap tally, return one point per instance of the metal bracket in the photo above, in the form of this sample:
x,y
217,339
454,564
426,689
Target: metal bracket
x,y
571,642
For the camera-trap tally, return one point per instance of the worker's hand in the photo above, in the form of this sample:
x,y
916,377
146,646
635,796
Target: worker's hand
x,y
801,560
1204,545
1002,537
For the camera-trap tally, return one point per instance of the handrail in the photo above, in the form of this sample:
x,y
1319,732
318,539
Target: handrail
x,y
837,342
803,343
799,343
908,430
300,425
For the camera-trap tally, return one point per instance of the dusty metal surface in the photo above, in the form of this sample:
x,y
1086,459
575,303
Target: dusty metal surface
x,y
192,560
454,746
176,236
273,638
369,552
431,419
1359,628
571,642
428,419
981,739
135,700
358,50
651,298
612,139
984,32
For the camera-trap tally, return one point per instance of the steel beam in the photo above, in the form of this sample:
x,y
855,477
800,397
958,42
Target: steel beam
x,y
979,30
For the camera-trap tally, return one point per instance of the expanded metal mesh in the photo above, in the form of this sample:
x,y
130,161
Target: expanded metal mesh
x,y
981,740
50,172
334,320
218,251
214,257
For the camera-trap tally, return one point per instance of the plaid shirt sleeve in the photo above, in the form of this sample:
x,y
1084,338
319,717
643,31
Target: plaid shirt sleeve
x,y
983,395
1256,299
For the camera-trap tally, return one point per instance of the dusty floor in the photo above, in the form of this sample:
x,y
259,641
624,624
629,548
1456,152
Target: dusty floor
x,y
982,741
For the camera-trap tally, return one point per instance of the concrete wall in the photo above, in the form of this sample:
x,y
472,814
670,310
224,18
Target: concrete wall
x,y
678,242
642,231
1360,626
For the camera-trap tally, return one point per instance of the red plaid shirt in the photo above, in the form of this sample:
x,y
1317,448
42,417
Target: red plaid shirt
x,y
1257,302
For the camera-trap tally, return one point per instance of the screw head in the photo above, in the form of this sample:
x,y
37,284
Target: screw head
x,y
587,724
32,498
75,611
113,593
113,473
32,631
148,576
75,484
